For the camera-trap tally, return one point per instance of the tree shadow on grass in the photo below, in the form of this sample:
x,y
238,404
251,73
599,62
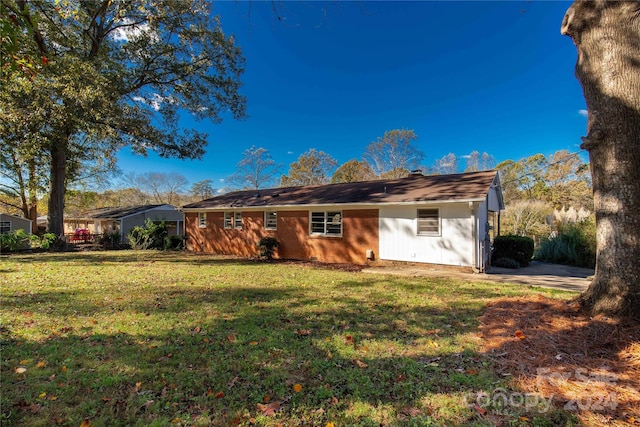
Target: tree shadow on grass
x,y
359,362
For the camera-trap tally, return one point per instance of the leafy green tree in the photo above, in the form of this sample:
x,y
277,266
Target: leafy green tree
x,y
527,218
353,171
567,180
394,154
119,74
23,160
78,201
312,168
202,189
256,169
523,179
129,196
16,56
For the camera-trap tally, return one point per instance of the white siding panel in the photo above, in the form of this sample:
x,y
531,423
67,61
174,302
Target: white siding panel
x,y
494,204
399,240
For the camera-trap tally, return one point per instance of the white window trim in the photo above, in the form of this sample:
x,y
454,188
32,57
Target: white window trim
x,y
439,221
325,222
235,220
227,220
266,216
202,220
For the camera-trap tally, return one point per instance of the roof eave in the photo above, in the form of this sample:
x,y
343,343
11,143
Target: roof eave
x,y
322,205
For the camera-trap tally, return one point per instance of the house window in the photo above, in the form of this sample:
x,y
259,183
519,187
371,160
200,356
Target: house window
x,y
328,223
228,219
271,220
233,220
428,222
5,227
202,219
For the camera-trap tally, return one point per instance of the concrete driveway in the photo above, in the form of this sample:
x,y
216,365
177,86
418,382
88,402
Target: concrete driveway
x,y
538,273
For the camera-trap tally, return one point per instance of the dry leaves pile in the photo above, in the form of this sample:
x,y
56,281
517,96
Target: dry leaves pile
x,y
587,365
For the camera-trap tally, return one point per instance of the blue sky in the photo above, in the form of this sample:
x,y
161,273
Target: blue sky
x,y
487,76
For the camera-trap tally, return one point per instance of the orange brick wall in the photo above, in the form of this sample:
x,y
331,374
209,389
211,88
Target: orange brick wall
x,y
359,233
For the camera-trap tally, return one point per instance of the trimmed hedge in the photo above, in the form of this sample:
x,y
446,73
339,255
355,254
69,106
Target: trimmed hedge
x,y
505,263
519,248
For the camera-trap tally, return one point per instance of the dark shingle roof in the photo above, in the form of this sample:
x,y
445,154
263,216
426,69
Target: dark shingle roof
x,y
412,189
116,213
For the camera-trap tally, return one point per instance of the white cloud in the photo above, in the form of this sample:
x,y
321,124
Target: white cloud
x,y
289,152
583,113
221,180
155,102
129,31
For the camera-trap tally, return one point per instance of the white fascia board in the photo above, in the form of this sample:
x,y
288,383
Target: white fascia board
x,y
327,205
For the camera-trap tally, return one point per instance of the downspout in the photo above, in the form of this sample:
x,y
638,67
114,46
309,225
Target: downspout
x,y
474,235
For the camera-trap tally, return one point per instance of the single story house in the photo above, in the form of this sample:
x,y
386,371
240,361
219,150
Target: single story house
x,y
123,220
10,223
440,219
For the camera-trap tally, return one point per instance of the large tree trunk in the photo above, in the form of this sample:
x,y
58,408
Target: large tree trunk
x,y
32,206
56,197
607,35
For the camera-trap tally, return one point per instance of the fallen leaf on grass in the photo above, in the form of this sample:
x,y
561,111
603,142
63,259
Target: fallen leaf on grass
x,y
479,410
85,423
231,338
329,424
520,335
219,395
232,382
303,332
349,340
297,388
361,364
412,412
20,370
41,364
269,410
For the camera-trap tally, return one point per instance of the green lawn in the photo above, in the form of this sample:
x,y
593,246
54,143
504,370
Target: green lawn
x,y
131,338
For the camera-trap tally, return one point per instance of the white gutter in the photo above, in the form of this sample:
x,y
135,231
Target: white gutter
x,y
474,237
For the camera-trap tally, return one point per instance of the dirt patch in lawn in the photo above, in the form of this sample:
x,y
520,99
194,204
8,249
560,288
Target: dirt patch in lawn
x,y
587,365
